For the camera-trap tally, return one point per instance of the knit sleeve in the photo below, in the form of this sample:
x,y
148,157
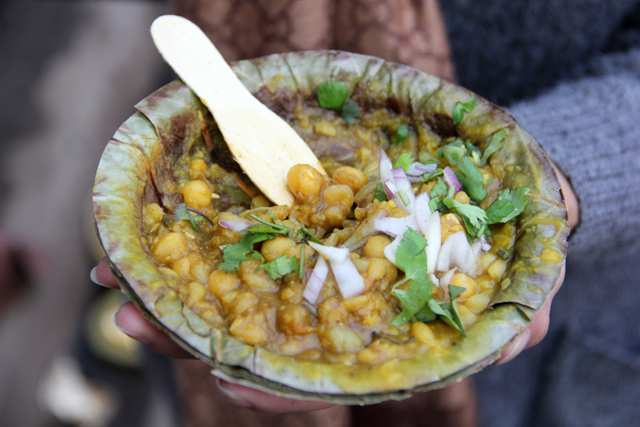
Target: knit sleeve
x,y
591,128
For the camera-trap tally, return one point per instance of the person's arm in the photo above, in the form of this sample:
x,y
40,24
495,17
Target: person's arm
x,y
588,126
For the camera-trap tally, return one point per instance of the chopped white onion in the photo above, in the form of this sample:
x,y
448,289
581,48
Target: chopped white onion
x,y
235,224
451,179
422,211
391,248
394,227
419,169
349,280
456,251
433,235
316,281
446,277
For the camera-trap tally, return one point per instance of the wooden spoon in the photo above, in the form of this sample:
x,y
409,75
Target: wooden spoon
x,y
264,145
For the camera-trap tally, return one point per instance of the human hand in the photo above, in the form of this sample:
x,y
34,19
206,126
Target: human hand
x,y
129,320
539,325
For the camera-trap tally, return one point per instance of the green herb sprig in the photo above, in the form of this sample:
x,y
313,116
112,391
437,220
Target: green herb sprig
x,y
333,95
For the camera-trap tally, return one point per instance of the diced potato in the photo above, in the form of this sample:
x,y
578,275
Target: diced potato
x,y
152,214
252,329
196,293
258,280
242,303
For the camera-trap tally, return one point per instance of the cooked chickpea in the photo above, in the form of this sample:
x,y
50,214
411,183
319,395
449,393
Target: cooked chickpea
x,y
449,225
275,248
198,169
196,292
461,197
342,339
294,320
305,183
352,177
477,303
375,246
497,269
220,283
423,333
334,215
152,214
169,247
197,194
242,303
338,195
466,282
258,280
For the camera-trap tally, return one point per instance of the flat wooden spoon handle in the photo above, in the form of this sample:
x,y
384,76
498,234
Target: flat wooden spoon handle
x,y
264,145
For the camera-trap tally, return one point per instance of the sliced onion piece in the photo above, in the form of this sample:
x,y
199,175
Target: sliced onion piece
x,y
331,253
391,248
405,197
446,277
433,235
349,280
364,231
451,179
316,281
394,227
419,169
385,167
456,251
238,224
422,211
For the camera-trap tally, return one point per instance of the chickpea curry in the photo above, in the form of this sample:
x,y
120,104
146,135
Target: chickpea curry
x,y
436,235
379,260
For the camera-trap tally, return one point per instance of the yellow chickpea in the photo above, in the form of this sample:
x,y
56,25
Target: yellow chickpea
x,y
497,269
221,283
461,197
374,248
169,248
198,169
275,248
449,225
294,320
196,292
464,281
152,214
197,194
338,195
352,177
305,183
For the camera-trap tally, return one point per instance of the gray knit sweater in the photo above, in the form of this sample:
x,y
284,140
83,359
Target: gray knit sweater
x,y
569,72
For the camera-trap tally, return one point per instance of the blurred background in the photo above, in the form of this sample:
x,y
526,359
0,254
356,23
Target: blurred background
x,y
71,72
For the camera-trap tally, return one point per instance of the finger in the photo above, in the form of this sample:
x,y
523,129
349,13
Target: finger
x,y
570,199
129,320
265,402
537,329
101,275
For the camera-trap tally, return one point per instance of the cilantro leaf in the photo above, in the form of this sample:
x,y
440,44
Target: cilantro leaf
x,y
471,180
281,266
412,300
380,196
474,217
402,133
454,151
410,255
460,109
182,213
332,95
440,189
494,145
349,112
508,205
404,161
233,255
448,311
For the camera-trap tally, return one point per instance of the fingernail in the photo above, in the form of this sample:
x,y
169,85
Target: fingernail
x,y
231,395
515,348
93,275
126,332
